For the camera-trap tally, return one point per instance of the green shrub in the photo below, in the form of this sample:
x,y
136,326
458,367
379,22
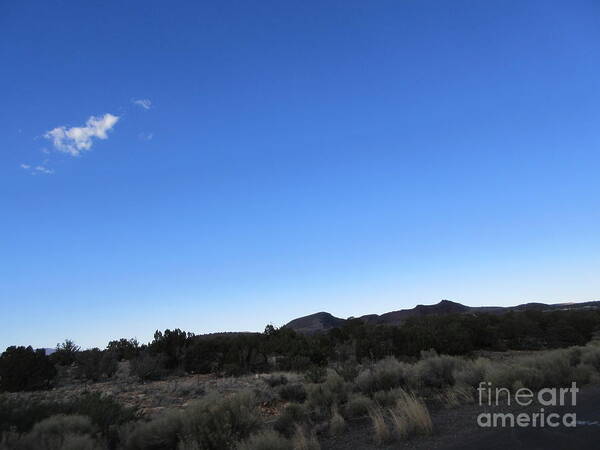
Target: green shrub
x,y
293,393
337,424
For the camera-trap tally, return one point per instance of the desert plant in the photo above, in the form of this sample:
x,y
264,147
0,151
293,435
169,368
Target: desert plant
x,y
56,432
381,432
265,440
160,433
148,367
337,424
275,380
218,423
357,406
410,416
292,415
315,374
293,393
304,439
383,375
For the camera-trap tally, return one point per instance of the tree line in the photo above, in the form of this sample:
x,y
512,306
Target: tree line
x,y
173,352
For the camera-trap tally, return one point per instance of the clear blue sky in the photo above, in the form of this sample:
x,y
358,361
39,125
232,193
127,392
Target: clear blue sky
x,y
222,165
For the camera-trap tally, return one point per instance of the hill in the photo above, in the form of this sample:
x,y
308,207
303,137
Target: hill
x,y
323,321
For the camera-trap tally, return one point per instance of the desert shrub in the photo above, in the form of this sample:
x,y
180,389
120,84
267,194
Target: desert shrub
x,y
315,374
304,439
381,432
23,369
160,433
266,440
56,432
217,423
357,406
106,414
456,395
348,370
292,415
275,380
333,391
148,367
383,375
437,371
293,392
337,424
471,373
387,398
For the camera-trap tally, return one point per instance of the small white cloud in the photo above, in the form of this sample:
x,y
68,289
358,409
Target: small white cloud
x,y
25,166
145,136
143,102
74,140
43,169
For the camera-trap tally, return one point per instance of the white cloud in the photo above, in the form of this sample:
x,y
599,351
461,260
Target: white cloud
x,y
74,140
25,166
143,102
43,169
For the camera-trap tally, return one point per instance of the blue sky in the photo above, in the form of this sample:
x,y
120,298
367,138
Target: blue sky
x,y
223,165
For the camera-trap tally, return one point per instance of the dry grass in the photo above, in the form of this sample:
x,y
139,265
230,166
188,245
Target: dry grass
x,y
381,432
411,416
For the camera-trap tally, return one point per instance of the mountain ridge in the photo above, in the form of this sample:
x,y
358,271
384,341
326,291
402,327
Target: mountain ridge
x,y
324,321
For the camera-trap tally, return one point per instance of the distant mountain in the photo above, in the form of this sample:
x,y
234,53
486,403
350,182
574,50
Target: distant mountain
x,y
324,321
321,321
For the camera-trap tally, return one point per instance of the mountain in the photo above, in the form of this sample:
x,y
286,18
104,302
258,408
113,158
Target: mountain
x,y
321,321
324,321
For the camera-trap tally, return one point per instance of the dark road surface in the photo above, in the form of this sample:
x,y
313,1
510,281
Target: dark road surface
x,y
457,429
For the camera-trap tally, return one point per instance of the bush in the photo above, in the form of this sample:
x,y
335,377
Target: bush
x,y
23,369
217,423
292,415
358,405
95,364
266,440
315,374
437,371
322,397
157,434
293,393
383,375
275,380
148,367
58,432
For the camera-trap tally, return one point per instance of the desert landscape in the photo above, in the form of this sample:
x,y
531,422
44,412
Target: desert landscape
x,y
332,384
